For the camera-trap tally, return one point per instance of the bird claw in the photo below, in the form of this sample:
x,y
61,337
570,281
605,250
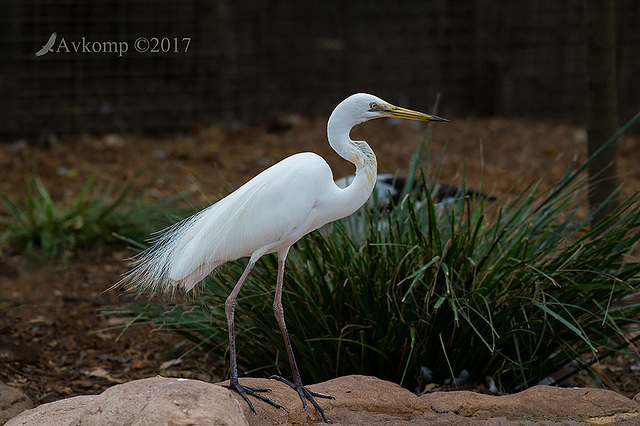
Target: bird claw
x,y
306,394
247,390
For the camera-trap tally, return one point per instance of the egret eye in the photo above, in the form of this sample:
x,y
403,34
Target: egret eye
x,y
373,106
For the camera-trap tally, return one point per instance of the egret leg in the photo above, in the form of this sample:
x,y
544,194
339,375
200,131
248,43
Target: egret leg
x,y
297,380
229,309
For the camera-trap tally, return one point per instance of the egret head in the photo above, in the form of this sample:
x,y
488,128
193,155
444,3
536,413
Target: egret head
x,y
359,108
364,107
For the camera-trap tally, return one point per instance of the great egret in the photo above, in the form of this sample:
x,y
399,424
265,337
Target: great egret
x,y
269,214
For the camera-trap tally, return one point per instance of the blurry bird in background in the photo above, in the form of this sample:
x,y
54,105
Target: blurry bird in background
x,y
389,188
386,197
269,214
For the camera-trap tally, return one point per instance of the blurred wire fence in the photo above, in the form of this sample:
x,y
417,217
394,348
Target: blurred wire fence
x,y
209,60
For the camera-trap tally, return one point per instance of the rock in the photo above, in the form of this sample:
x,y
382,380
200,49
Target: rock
x,y
358,400
12,402
157,401
61,412
538,401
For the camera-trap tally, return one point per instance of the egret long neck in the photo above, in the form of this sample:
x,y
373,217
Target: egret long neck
x,y
361,155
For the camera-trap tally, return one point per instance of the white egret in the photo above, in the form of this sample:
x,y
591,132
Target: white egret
x,y
269,214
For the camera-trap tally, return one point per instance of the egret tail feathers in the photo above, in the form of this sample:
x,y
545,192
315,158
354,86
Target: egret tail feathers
x,y
183,254
154,267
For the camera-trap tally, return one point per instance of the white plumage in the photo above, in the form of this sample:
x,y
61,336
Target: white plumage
x,y
269,214
259,217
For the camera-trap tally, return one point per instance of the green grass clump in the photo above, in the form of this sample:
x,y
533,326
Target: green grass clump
x,y
40,226
515,289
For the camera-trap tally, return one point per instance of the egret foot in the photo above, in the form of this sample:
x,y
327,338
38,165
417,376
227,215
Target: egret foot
x,y
246,390
306,394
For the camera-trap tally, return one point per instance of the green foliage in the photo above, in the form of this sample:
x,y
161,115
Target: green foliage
x,y
40,226
515,289
516,294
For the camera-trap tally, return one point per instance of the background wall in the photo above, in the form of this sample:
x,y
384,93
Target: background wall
x,y
255,59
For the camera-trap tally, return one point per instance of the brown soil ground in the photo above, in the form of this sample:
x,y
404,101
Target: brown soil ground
x,y
55,340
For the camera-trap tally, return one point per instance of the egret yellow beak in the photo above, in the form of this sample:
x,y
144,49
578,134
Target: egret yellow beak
x,y
408,114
